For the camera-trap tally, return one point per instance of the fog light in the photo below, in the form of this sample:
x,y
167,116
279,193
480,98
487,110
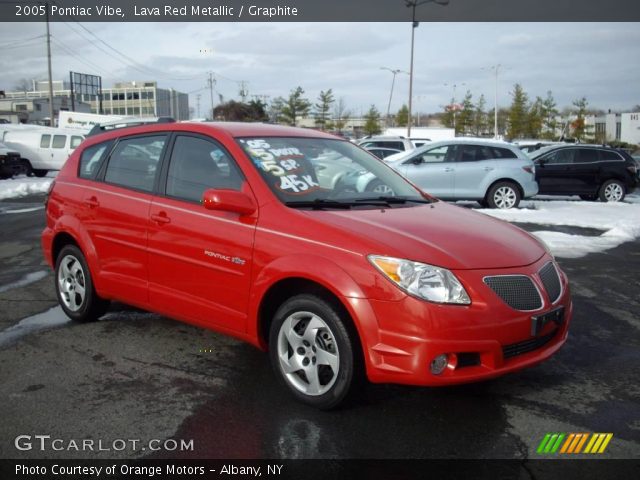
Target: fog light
x,y
439,363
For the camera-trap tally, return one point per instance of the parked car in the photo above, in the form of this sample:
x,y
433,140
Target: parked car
x,y
592,172
399,143
337,285
43,149
10,163
496,174
532,145
382,152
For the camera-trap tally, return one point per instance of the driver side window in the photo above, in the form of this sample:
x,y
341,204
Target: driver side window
x,y
441,154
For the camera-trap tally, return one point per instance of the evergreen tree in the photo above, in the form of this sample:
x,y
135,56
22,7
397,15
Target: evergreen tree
x,y
480,120
549,113
325,101
580,130
464,120
372,121
402,117
295,107
535,118
518,113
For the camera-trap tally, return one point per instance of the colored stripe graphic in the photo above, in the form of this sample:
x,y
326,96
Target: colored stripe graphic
x,y
573,443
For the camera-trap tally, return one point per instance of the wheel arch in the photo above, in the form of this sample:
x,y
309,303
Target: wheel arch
x,y
504,179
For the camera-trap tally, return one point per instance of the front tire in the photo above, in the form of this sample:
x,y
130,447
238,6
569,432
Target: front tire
x,y
74,287
312,351
503,195
612,191
382,189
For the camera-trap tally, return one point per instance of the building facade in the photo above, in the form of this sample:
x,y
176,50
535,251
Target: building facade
x,y
138,99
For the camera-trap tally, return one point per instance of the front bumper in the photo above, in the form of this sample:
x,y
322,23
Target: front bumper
x,y
483,340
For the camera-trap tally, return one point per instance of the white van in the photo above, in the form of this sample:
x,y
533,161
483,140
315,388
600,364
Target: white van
x,y
43,149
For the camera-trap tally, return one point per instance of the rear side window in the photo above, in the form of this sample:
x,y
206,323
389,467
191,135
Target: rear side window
x,y
134,162
503,153
198,164
384,144
90,160
474,153
45,141
587,155
59,141
609,155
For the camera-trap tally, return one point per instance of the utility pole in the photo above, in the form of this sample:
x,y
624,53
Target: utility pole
x,y
51,122
393,81
211,82
198,105
244,93
495,105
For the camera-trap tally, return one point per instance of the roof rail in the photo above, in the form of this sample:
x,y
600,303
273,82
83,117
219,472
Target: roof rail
x,y
127,123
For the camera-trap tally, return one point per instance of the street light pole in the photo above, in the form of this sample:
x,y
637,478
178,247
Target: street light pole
x,y
495,103
413,4
454,106
393,81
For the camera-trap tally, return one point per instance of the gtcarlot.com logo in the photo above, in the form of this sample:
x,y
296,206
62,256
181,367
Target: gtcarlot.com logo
x,y
572,443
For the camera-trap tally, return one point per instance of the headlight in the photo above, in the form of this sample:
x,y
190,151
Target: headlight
x,y
435,284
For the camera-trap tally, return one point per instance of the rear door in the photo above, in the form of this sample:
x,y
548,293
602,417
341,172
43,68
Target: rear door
x,y
118,214
586,171
200,260
473,164
433,170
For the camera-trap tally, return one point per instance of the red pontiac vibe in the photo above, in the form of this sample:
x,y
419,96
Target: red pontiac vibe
x,y
304,245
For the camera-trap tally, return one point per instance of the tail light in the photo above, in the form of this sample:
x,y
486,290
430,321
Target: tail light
x,y
530,169
48,194
633,169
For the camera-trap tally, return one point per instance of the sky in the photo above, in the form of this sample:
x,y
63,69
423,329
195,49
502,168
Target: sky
x,y
599,61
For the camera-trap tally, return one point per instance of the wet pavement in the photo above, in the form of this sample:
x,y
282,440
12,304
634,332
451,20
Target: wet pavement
x,y
137,375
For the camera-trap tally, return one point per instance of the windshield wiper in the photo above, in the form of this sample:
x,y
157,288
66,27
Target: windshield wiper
x,y
391,200
318,204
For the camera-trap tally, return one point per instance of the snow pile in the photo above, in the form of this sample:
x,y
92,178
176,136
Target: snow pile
x,y
619,221
22,186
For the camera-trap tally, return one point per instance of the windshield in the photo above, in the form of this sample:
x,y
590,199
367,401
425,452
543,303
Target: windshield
x,y
327,173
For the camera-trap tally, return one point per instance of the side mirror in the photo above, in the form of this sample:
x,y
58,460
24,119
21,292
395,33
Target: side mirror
x,y
228,201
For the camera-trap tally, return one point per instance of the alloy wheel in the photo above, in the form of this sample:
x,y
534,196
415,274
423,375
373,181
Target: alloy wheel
x,y
308,353
71,283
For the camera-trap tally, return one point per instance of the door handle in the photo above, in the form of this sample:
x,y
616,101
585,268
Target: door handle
x,y
160,218
448,169
92,202
488,169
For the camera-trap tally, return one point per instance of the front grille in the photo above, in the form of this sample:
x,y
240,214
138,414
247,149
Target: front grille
x,y
517,291
515,349
551,281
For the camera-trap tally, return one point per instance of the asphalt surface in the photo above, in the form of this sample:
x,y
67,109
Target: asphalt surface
x,y
137,375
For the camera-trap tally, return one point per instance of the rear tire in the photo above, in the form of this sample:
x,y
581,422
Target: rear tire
x,y
503,195
39,172
612,191
74,287
313,353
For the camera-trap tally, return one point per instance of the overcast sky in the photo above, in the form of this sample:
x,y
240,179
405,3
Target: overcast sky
x,y
597,60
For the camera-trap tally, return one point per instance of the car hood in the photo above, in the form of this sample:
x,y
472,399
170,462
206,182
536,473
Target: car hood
x,y
439,234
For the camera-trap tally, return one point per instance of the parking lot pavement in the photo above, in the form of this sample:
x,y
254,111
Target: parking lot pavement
x,y
136,375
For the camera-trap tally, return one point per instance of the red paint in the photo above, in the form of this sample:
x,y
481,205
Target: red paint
x,y
213,267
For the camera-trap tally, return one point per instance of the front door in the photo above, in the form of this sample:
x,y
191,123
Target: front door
x,y
200,260
433,170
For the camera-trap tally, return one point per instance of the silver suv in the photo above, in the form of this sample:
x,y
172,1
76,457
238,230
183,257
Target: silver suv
x,y
496,174
399,143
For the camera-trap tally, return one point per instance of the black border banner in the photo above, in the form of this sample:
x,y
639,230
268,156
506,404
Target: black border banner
x,y
564,469
319,10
